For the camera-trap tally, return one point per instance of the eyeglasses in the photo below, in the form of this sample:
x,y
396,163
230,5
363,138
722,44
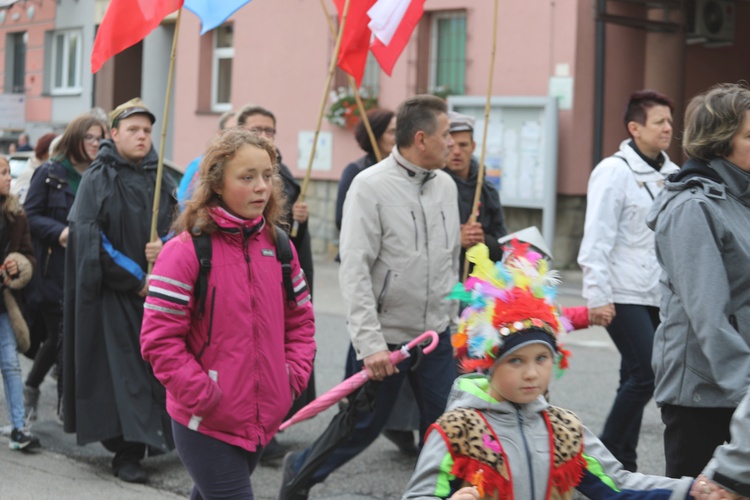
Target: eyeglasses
x,y
92,139
268,131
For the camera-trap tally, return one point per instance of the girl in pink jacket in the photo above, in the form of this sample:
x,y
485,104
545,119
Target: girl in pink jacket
x,y
232,369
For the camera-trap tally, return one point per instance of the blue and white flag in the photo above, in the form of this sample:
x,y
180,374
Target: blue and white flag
x,y
213,13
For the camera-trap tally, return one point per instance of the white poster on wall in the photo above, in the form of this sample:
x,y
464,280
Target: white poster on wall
x,y
12,111
323,160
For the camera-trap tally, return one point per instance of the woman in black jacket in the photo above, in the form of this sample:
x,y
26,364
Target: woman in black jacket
x,y
50,196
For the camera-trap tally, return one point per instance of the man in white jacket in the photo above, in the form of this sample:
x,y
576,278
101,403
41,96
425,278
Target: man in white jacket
x,y
618,258
399,248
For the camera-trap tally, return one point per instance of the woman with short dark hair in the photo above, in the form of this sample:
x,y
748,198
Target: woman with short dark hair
x,y
617,256
702,347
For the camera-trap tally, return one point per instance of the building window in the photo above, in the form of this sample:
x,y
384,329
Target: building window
x,y
67,55
371,77
448,53
221,79
15,62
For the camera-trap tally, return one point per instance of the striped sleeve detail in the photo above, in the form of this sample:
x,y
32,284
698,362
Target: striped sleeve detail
x,y
167,310
121,259
443,487
168,295
594,467
595,483
170,281
301,291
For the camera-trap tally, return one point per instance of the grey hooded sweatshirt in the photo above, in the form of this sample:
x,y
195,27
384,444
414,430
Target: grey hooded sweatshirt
x,y
524,437
701,354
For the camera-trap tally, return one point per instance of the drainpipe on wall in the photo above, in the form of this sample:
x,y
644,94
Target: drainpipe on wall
x,y
601,8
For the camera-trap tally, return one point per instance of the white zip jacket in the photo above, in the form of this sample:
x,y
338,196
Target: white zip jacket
x,y
617,253
399,247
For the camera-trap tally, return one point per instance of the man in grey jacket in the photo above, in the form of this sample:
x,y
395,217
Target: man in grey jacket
x,y
399,247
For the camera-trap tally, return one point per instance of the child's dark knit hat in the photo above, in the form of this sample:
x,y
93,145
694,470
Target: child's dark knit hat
x,y
510,305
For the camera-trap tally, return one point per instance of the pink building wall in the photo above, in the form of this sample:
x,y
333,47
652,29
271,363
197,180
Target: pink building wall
x,y
283,66
282,55
38,106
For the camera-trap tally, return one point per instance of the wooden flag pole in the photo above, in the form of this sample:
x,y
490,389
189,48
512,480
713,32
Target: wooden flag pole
x,y
160,167
357,97
480,177
334,59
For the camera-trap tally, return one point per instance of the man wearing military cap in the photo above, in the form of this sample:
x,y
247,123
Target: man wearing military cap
x,y
464,169
110,394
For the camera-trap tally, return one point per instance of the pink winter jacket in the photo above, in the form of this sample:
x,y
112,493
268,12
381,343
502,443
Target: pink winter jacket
x,y
258,349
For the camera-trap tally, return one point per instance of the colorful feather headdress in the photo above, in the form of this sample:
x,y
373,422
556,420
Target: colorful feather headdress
x,y
507,303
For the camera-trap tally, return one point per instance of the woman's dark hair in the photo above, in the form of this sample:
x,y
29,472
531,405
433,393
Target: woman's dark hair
x,y
636,110
42,145
379,120
71,142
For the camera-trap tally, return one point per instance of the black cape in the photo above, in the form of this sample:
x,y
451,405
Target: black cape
x,y
109,390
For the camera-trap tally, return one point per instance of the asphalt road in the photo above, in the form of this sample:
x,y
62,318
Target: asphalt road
x,y
381,472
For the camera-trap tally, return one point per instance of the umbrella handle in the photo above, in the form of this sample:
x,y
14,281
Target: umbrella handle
x,y
401,354
431,334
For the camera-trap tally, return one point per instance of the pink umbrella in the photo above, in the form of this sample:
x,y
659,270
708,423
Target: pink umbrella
x,y
355,381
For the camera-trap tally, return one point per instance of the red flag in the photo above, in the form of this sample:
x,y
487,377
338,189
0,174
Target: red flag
x,y
126,23
387,55
356,40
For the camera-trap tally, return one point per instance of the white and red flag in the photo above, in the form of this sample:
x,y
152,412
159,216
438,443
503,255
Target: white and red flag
x,y
392,22
383,26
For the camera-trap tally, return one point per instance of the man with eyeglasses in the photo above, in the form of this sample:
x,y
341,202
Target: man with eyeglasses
x,y
110,393
262,122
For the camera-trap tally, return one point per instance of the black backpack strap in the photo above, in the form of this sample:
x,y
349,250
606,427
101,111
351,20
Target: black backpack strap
x,y
284,255
202,243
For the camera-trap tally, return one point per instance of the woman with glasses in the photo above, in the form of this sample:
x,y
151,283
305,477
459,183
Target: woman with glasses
x,y
50,196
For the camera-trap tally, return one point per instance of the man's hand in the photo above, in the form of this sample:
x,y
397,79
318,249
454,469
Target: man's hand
x,y
602,316
300,213
471,234
379,365
63,239
153,248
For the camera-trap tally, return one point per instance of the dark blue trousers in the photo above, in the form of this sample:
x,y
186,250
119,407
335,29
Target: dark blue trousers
x,y
632,331
431,383
218,469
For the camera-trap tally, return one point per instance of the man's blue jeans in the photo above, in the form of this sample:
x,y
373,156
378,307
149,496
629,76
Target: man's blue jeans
x,y
11,371
431,383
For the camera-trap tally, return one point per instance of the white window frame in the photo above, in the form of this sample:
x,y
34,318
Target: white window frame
x,y
219,53
67,88
437,16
